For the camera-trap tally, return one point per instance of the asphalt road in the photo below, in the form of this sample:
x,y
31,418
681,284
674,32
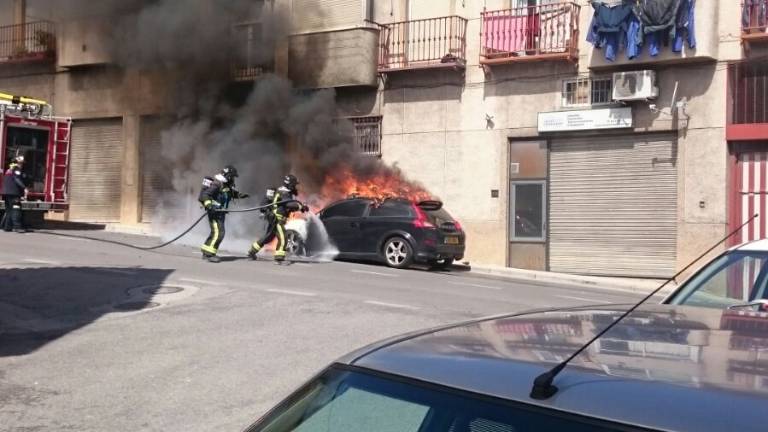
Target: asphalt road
x,y
98,337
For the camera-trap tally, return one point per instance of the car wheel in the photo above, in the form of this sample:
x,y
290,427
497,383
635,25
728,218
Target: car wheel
x,y
398,253
294,244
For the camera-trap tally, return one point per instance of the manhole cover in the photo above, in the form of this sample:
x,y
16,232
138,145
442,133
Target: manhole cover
x,y
136,306
162,289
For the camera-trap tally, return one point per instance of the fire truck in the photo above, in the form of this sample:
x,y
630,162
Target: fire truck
x,y
28,128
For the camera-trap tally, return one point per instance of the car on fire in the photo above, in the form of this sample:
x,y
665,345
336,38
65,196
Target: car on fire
x,y
662,368
396,231
735,279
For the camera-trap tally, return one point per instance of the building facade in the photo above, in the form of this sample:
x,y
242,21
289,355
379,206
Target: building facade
x,y
501,108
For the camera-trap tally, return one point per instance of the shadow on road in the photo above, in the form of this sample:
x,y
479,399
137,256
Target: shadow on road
x,y
39,305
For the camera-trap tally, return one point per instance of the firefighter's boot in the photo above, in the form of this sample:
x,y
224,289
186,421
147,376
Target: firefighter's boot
x,y
211,258
253,252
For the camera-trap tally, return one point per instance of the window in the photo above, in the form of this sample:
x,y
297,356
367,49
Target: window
x,y
734,278
351,401
584,92
391,208
253,51
367,134
527,199
352,208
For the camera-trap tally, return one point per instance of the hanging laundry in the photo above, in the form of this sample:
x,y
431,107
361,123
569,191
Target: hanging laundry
x,y
609,27
659,21
686,26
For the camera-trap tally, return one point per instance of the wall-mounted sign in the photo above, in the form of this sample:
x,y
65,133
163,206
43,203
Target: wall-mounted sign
x,y
605,118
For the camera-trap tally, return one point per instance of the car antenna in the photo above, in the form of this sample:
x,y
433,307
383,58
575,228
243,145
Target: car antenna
x,y
542,385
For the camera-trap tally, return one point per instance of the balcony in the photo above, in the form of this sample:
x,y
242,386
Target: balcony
x,y
253,56
747,102
530,33
34,41
423,44
754,22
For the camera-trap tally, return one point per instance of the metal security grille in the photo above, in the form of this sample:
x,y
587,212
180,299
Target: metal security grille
x,y
368,134
613,206
96,170
584,92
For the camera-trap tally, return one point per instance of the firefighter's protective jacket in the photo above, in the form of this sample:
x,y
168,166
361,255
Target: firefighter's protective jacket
x,y
13,182
216,193
275,198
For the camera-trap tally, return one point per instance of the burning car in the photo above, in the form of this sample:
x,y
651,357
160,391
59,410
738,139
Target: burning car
x,y
396,231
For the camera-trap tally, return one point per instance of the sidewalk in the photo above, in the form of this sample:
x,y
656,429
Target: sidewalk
x,y
639,286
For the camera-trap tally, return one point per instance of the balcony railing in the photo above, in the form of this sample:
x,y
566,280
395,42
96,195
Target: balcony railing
x,y
530,33
252,55
27,42
754,21
425,43
748,93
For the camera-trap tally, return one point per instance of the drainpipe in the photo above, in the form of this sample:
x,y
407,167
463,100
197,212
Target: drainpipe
x,y
19,20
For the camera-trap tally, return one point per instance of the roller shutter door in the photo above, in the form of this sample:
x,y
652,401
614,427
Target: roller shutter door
x,y
613,206
155,178
96,170
309,16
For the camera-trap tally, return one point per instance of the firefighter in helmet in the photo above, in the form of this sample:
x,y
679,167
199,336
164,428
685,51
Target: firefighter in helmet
x,y
215,196
14,190
281,203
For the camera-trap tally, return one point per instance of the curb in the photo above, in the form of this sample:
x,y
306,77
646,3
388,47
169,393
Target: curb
x,y
637,286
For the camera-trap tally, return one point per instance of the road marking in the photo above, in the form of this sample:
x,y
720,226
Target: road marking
x,y
35,261
390,305
289,292
475,285
118,271
200,281
374,273
583,299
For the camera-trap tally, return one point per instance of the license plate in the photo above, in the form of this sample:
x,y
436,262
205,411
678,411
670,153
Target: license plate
x,y
452,240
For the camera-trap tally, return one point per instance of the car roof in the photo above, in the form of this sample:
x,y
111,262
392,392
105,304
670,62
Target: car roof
x,y
695,369
753,246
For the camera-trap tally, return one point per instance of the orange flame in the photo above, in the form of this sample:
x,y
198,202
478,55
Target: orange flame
x,y
343,183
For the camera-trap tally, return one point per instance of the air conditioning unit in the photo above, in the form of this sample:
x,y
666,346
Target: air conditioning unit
x,y
635,85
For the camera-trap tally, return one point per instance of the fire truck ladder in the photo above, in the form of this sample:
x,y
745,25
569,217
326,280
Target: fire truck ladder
x,y
59,177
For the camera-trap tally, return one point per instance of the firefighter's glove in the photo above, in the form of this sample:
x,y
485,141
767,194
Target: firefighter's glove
x,y
304,208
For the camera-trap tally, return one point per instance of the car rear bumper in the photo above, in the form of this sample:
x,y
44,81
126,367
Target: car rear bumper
x,y
426,253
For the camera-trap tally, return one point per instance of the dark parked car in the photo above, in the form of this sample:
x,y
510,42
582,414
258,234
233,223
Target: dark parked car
x,y
398,232
663,368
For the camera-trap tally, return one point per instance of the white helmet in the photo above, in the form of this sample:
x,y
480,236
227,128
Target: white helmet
x,y
19,159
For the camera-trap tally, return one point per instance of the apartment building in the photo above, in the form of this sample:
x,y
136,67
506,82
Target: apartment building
x,y
554,157
550,155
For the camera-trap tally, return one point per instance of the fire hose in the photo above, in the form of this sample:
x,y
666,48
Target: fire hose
x,y
175,239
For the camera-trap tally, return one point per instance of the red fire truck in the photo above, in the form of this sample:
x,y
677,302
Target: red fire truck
x,y
28,128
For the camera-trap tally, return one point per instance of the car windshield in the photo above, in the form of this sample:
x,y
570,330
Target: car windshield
x,y
734,278
347,401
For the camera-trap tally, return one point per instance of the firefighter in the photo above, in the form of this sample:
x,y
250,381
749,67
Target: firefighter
x,y
282,202
13,191
215,196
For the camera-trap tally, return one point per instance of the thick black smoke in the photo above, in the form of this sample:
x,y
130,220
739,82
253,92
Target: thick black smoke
x,y
266,131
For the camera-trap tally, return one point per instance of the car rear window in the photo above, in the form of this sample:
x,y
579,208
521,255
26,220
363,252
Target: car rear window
x,y
439,217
